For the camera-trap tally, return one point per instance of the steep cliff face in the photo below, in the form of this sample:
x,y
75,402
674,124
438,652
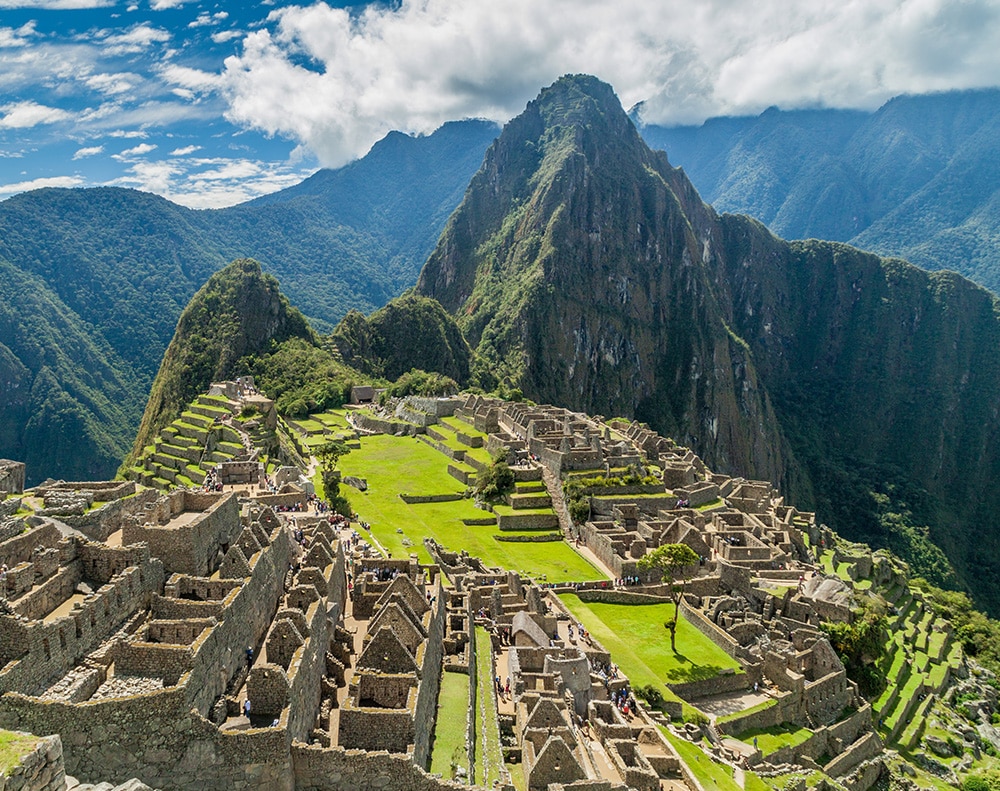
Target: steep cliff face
x,y
586,270
880,367
64,394
238,312
575,268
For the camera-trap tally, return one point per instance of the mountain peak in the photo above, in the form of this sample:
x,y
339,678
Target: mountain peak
x,y
238,312
577,98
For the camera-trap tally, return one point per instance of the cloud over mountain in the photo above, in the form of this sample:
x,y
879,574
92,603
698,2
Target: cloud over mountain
x,y
337,80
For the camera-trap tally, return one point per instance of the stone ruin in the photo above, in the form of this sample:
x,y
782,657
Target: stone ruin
x,y
11,477
756,592
394,689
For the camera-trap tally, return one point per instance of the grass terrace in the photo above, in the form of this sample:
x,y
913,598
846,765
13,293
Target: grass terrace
x,y
770,740
450,729
403,464
13,746
640,644
489,756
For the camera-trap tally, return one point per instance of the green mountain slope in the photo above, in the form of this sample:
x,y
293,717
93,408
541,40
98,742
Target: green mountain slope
x,y
237,313
585,270
68,400
123,264
915,179
410,332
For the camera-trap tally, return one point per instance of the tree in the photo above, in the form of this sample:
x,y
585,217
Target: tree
x,y
329,454
672,561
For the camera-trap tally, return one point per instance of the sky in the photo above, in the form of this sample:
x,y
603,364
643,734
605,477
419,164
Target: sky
x,y
214,103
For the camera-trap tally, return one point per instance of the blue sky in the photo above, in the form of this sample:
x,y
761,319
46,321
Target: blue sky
x,y
213,103
128,93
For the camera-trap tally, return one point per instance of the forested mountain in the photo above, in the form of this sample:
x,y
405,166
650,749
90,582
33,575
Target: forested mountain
x,y
586,270
919,178
120,265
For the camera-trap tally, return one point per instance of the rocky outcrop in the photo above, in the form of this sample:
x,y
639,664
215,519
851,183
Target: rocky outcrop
x,y
586,271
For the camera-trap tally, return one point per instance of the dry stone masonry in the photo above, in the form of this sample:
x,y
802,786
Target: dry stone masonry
x,y
225,636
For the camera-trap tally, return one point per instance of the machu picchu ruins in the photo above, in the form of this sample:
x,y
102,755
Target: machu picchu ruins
x,y
211,623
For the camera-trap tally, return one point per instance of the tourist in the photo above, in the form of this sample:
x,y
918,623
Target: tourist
x,y
246,708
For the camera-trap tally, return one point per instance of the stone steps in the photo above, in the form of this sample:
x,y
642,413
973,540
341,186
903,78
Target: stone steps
x,y
194,419
519,501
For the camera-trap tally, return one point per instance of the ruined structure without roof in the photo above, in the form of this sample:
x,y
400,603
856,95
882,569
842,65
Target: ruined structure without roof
x,y
139,625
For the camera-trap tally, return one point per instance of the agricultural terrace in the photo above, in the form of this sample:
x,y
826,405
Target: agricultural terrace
x,y
640,644
393,465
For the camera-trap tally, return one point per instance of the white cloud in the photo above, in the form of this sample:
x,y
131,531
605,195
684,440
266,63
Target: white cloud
x,y
137,151
37,184
90,151
17,37
192,79
205,18
211,182
24,115
163,5
113,84
135,40
226,35
337,81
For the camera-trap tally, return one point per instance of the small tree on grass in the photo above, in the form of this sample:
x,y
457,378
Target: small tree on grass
x,y
328,454
672,561
496,481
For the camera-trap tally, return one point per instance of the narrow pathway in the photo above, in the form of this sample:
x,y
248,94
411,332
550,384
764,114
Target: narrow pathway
x,y
554,487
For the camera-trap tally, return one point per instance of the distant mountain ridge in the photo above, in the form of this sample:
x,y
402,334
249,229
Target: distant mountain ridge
x,y
587,271
106,272
919,178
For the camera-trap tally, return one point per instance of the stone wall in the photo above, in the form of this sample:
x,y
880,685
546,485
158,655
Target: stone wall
x,y
335,769
724,682
725,641
20,548
37,653
190,546
305,671
411,499
430,682
248,609
11,476
156,738
366,421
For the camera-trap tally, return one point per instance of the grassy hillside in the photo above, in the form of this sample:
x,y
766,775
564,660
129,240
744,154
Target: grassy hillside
x,y
123,264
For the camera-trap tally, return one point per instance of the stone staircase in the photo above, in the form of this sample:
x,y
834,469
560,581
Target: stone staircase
x,y
920,660
183,452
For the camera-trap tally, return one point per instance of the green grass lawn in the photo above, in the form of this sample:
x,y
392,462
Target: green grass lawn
x,y
457,424
711,774
772,739
402,464
640,645
450,728
13,746
489,757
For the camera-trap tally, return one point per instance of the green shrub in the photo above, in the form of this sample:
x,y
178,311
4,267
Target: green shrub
x,y
579,510
495,482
